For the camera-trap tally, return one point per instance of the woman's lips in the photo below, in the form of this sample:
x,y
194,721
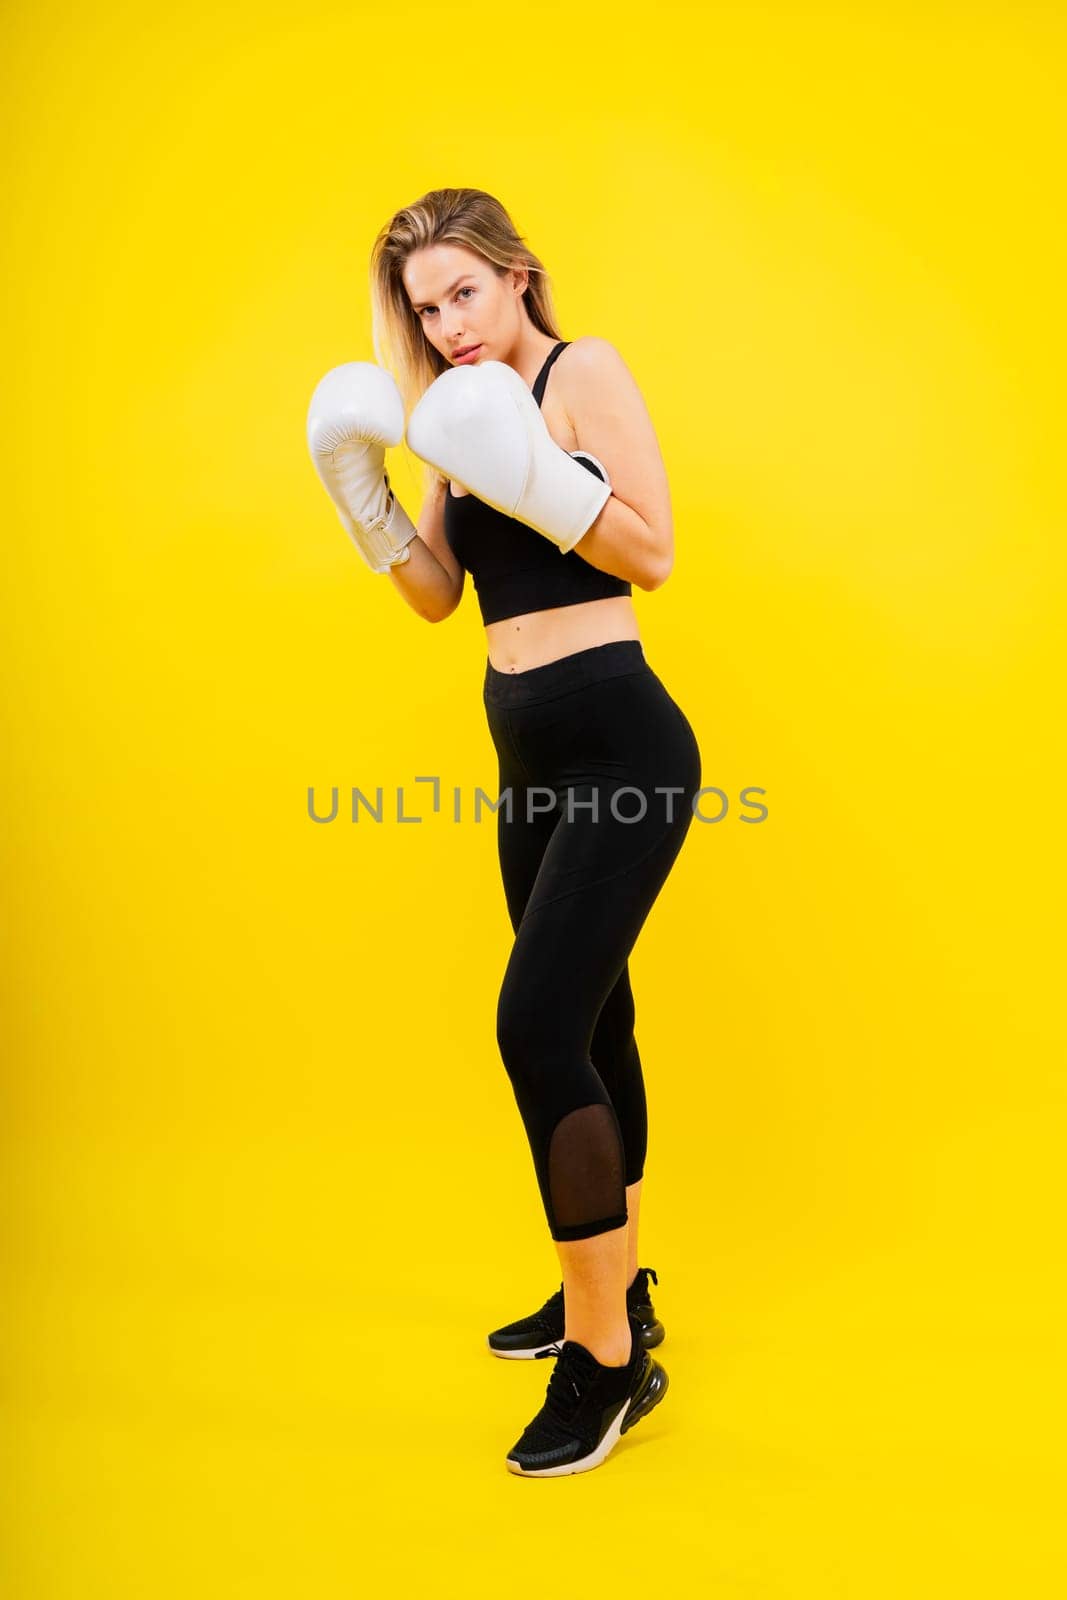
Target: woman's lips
x,y
468,355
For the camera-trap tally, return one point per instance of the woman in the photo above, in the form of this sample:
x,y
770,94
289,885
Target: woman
x,y
546,483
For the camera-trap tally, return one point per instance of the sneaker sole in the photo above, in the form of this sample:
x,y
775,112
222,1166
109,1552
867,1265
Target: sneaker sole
x,y
649,1394
650,1338
529,1354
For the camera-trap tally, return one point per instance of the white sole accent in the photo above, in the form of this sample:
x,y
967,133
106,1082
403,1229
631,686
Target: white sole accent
x,y
530,1355
521,1355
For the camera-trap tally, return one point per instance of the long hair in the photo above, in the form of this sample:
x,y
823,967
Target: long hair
x,y
467,217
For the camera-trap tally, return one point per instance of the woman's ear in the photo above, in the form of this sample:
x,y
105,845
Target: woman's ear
x,y
520,278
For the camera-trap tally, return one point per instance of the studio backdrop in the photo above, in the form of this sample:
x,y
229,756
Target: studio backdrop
x,y
267,1186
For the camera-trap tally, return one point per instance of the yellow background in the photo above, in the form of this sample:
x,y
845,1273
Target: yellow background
x,y
267,1184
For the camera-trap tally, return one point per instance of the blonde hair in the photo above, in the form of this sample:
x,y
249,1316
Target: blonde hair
x,y
467,217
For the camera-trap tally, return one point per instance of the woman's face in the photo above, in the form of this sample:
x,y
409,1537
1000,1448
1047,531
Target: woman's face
x,y
463,302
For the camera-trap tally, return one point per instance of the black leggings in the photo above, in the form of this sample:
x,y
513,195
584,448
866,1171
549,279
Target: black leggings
x,y
587,746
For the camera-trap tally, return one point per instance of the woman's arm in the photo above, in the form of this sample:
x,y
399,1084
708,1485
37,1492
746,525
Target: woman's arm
x,y
432,581
633,536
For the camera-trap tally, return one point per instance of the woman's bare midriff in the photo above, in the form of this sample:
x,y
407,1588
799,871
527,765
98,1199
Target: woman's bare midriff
x,y
538,637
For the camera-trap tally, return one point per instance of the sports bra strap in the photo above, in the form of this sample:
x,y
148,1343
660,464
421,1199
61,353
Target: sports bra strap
x,y
542,377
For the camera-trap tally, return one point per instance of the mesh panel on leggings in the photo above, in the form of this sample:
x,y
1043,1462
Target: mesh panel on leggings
x,y
586,1172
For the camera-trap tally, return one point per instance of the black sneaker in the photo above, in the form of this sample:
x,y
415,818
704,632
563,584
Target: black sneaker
x,y
639,1305
527,1338
587,1408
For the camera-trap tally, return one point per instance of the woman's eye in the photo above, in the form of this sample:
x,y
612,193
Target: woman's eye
x,y
467,289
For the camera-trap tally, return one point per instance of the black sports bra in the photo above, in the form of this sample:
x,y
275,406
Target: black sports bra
x,y
514,568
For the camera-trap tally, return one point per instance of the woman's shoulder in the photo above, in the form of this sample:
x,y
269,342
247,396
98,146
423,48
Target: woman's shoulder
x,y
590,354
588,366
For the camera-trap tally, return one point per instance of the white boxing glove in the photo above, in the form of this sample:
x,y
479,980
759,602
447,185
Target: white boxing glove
x,y
482,426
355,412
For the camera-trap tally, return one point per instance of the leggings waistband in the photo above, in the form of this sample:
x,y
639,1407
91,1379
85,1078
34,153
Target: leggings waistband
x,y
575,671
